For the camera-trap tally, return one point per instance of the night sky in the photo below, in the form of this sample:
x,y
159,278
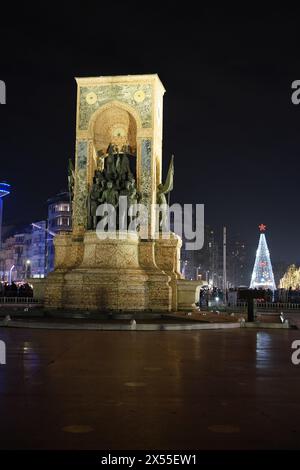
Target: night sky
x,y
228,115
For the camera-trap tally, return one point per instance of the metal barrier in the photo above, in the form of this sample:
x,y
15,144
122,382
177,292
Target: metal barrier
x,y
276,307
19,300
241,306
261,307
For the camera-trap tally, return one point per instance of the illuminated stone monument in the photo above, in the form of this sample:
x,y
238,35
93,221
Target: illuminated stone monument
x,y
125,273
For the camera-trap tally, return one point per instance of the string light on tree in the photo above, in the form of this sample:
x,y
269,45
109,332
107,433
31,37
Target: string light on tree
x,y
262,275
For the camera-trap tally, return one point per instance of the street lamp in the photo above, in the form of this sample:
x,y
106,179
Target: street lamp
x,y
183,268
28,262
4,191
10,272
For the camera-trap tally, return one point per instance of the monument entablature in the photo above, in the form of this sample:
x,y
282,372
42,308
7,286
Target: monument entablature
x,y
120,110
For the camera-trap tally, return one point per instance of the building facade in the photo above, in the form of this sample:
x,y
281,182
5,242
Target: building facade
x,y
203,264
29,251
36,264
23,254
238,268
59,220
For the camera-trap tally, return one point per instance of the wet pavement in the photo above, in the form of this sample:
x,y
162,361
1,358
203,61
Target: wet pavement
x,y
227,389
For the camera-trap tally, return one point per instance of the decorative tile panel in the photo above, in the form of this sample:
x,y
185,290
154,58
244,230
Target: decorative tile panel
x,y
81,190
127,93
146,174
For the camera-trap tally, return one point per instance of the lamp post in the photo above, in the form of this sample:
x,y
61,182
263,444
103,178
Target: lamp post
x,y
52,234
10,273
184,267
28,263
4,191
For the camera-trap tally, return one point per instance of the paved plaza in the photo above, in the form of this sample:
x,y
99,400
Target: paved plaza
x,y
227,389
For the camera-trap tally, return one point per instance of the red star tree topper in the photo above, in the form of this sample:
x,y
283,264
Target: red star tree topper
x,y
262,227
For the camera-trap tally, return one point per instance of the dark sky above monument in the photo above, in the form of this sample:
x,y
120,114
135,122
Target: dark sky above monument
x,y
228,115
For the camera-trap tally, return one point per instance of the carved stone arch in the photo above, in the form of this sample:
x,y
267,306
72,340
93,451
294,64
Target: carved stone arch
x,y
114,115
114,104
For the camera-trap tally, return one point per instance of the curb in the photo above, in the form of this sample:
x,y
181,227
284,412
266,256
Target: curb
x,y
120,327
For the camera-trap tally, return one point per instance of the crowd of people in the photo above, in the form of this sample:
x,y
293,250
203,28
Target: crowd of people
x,y
16,289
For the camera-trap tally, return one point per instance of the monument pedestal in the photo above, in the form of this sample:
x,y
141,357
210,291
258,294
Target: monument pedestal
x,y
188,294
167,255
118,274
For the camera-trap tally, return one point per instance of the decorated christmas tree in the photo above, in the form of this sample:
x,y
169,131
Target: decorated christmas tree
x,y
262,275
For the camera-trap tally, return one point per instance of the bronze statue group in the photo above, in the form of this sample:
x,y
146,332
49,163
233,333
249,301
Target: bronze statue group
x,y
114,180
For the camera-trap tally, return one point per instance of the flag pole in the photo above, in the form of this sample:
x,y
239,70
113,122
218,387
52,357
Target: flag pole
x,y
169,193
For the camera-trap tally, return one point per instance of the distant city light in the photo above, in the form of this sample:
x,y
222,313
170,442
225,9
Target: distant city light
x,y
45,229
4,189
10,273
